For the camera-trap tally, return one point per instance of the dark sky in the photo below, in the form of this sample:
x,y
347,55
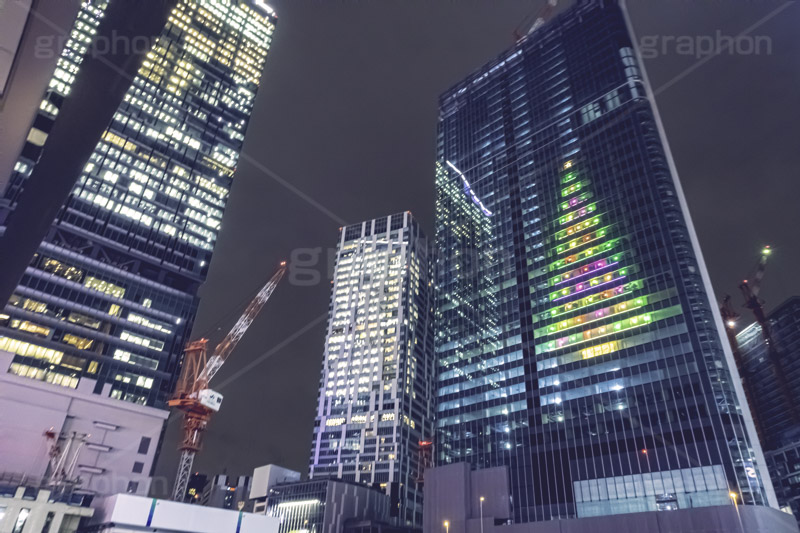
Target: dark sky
x,y
344,130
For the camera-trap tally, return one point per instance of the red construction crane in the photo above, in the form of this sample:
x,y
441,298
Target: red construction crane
x,y
192,395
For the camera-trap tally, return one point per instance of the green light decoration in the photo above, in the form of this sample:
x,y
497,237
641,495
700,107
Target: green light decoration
x,y
583,254
578,213
589,284
607,294
583,239
572,230
627,324
577,200
575,187
593,316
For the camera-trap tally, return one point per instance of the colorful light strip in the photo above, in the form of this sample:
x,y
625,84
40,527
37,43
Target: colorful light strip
x,y
599,314
583,254
584,270
602,331
593,299
572,230
575,187
593,283
583,211
580,241
572,202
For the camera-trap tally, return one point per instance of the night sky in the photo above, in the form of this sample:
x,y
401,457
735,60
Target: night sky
x,y
344,130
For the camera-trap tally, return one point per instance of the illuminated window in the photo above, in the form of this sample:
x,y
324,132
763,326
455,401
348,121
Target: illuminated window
x,y
79,342
30,350
104,286
65,271
147,342
30,327
83,320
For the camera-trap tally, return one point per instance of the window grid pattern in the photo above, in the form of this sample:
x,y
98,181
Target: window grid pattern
x,y
376,386
596,327
114,284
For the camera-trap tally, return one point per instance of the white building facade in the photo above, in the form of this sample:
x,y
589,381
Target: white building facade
x,y
125,513
121,437
375,399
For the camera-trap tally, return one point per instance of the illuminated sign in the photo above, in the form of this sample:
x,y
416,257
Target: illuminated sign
x,y
600,349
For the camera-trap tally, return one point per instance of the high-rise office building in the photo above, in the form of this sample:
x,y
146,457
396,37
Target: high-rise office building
x,y
376,387
111,293
577,340
776,397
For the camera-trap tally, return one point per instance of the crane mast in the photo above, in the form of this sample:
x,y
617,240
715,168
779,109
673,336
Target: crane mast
x,y
193,396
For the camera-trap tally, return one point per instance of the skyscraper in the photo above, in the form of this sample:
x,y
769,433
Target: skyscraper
x,y
112,292
376,386
776,406
577,341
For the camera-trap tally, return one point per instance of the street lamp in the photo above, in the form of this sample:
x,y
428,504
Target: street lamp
x,y
446,526
482,499
735,498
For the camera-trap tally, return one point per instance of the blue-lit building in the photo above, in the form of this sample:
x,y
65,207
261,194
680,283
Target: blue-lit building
x,y
776,405
577,338
111,294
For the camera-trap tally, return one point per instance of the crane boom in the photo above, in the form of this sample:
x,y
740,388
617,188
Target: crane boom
x,y
226,347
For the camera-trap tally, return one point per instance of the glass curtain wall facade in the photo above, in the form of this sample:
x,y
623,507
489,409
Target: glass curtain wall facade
x,y
780,432
111,293
577,341
376,386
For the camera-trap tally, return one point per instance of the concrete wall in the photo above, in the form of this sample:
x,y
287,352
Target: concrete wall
x,y
124,513
106,464
453,493
37,511
347,501
267,476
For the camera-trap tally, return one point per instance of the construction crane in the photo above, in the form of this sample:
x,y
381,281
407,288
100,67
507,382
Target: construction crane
x,y
192,395
542,16
750,288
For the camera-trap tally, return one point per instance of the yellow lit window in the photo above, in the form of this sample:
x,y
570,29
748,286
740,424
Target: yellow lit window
x,y
79,342
30,327
105,287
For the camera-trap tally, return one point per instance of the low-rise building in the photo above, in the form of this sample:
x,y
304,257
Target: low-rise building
x,y
459,499
228,492
125,513
325,505
121,438
29,507
264,478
